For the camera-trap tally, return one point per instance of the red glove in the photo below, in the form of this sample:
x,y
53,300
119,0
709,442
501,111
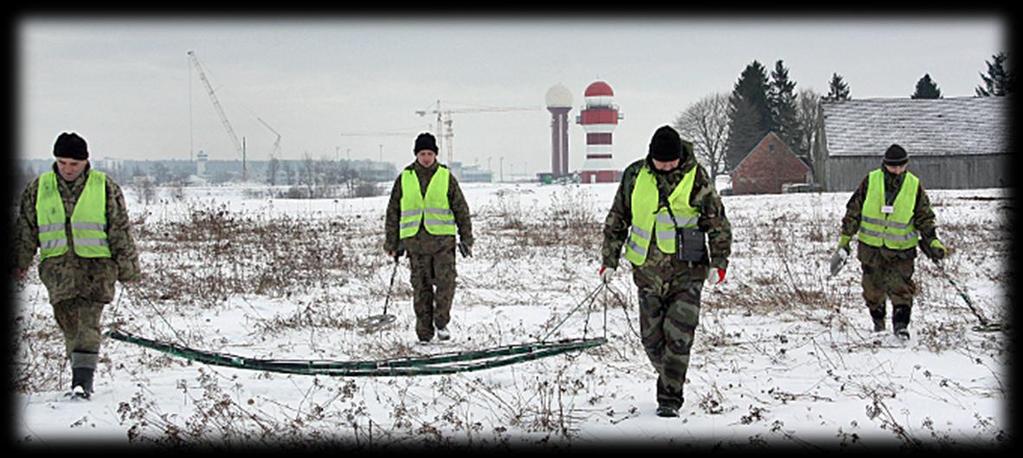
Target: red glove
x,y
717,275
605,274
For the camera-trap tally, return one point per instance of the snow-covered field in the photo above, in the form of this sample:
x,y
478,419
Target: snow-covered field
x,y
783,355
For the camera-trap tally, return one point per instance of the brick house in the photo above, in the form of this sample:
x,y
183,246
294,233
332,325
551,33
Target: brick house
x,y
767,167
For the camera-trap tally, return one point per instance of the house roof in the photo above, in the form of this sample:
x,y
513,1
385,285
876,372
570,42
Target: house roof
x,y
771,136
933,127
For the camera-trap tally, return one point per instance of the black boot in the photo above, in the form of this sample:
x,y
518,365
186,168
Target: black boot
x,y
82,377
667,411
668,402
877,314
900,320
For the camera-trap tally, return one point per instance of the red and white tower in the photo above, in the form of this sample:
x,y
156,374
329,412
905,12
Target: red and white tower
x,y
599,119
559,103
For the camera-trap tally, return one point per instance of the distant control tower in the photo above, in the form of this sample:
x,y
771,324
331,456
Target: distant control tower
x,y
559,103
599,119
200,164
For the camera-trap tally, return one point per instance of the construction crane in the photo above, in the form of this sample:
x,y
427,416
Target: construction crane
x,y
277,142
444,119
220,111
379,134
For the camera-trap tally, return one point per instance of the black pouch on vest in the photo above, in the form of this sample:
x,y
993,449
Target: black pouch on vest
x,y
692,245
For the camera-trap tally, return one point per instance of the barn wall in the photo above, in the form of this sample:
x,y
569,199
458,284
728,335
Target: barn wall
x,y
844,173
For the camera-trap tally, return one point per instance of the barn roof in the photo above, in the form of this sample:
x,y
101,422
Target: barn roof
x,y
933,127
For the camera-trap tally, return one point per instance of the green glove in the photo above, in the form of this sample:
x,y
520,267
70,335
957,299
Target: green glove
x,y
938,250
843,242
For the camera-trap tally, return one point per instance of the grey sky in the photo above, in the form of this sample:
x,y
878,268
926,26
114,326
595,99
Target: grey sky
x,y
127,86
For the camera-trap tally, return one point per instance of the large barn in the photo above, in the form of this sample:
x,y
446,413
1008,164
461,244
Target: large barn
x,y
768,167
953,143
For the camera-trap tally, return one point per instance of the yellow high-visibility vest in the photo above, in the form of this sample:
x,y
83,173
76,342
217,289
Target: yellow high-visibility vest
x,y
889,227
647,220
88,220
433,210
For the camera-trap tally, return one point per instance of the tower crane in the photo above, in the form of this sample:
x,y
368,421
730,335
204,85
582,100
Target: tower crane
x,y
378,134
220,112
277,142
444,118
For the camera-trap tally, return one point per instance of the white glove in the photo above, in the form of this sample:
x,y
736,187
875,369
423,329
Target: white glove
x,y
838,260
606,273
716,276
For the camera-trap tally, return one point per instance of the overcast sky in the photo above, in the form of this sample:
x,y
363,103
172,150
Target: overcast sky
x,y
126,83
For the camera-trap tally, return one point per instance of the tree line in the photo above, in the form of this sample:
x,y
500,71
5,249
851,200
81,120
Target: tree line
x,y
725,127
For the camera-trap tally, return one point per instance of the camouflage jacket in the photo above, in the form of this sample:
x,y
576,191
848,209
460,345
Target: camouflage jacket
x,y
69,276
660,266
424,242
923,220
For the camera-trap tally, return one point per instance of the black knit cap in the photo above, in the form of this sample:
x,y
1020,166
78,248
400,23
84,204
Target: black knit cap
x,y
666,145
70,145
895,155
425,140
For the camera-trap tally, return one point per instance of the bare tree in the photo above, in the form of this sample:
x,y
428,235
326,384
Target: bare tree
x,y
146,189
272,170
807,120
705,123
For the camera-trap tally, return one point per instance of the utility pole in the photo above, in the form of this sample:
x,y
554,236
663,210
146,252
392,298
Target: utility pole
x,y
381,152
245,167
191,133
502,169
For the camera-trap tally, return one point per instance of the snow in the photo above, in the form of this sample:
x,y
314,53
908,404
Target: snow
x,y
783,355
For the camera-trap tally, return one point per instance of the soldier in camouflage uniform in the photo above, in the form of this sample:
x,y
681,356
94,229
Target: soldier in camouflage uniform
x,y
891,215
76,217
425,207
669,278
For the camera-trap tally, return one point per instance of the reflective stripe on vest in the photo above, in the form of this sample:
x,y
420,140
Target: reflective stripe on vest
x,y
647,219
434,211
88,220
894,230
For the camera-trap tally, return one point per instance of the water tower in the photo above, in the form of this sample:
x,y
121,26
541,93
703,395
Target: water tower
x,y
599,119
559,103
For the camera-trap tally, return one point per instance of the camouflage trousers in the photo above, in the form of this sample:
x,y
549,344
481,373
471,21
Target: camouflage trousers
x,y
79,321
433,290
667,322
894,280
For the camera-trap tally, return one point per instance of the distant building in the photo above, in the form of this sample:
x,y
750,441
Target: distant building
x,y
375,171
953,143
769,166
470,173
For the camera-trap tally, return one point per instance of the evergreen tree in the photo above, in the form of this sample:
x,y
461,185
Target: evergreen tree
x,y
748,114
781,99
926,89
998,81
837,89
